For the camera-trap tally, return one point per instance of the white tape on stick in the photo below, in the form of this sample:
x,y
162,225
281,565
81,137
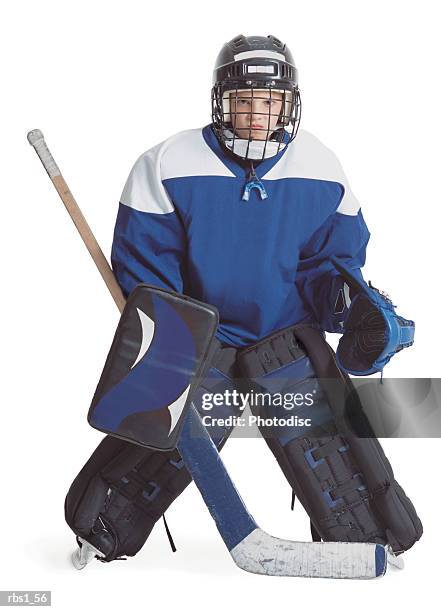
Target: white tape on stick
x,y
36,139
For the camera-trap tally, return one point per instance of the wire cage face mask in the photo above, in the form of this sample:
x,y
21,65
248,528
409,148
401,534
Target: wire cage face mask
x,y
255,121
255,99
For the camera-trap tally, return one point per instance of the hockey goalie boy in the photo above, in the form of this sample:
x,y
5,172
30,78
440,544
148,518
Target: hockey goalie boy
x,y
256,217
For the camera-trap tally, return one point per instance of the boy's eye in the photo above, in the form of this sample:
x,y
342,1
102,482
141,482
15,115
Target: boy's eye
x,y
268,102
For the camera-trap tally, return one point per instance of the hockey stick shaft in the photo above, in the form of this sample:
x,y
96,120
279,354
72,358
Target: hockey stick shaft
x,y
251,548
36,139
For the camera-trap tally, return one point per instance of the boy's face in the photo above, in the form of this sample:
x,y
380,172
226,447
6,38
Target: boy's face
x,y
254,114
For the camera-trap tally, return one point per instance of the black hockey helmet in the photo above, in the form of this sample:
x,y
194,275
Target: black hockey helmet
x,y
264,67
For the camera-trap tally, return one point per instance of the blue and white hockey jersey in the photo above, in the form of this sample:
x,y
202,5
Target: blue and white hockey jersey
x,y
182,225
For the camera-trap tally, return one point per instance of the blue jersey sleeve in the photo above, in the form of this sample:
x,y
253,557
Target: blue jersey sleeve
x,y
149,242
344,236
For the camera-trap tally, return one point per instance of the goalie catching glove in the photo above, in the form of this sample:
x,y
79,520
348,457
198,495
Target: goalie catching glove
x,y
373,332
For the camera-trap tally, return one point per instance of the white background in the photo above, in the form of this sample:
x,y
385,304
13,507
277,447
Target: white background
x,y
106,81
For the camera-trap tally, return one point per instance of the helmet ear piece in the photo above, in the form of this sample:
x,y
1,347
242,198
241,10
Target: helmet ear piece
x,y
287,111
226,107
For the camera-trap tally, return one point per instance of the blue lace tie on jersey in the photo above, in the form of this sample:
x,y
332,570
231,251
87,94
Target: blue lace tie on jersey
x,y
254,182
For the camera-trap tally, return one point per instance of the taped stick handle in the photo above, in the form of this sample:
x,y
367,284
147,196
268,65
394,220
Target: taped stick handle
x,y
36,139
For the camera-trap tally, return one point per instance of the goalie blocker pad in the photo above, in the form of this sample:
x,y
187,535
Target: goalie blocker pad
x,y
161,345
343,480
373,330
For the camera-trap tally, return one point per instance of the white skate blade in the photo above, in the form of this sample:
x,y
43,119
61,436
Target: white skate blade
x,y
393,560
84,554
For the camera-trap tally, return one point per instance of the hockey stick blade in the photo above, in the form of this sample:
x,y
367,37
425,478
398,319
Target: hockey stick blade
x,y
252,549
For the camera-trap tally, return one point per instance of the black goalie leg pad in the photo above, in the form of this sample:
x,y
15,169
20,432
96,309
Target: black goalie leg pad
x,y
123,489
344,482
120,493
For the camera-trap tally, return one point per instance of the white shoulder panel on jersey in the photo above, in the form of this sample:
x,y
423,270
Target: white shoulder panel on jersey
x,y
144,190
307,157
184,154
187,154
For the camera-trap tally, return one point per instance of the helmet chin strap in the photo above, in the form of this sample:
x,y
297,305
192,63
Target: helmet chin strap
x,y
251,149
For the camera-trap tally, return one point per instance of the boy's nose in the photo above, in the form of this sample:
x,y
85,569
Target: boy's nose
x,y
258,109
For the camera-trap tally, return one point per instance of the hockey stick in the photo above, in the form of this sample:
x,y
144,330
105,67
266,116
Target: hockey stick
x,y
251,548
